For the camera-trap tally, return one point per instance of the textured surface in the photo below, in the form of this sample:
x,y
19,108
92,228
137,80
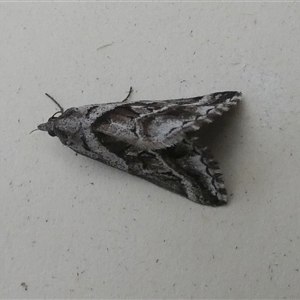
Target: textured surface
x,y
71,227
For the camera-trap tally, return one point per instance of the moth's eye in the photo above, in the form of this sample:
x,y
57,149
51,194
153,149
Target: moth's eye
x,y
51,133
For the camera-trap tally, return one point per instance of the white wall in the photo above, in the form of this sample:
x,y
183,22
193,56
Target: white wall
x,y
71,227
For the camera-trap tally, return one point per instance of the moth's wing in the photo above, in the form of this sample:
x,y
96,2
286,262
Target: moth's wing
x,y
189,171
184,169
200,170
160,124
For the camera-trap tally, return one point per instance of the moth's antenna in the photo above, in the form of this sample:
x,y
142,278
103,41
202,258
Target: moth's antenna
x,y
60,107
58,112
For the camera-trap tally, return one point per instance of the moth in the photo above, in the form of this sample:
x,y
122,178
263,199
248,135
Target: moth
x,y
155,140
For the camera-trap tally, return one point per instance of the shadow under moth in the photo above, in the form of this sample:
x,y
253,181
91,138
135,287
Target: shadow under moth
x,y
155,140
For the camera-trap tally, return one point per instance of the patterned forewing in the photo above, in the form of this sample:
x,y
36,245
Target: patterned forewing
x,y
159,124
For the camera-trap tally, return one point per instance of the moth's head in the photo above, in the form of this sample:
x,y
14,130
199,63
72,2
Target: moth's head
x,y
64,126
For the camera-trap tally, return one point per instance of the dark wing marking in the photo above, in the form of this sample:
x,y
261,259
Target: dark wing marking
x,y
160,124
202,170
184,169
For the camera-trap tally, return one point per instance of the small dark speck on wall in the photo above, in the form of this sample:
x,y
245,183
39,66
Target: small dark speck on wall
x,y
24,285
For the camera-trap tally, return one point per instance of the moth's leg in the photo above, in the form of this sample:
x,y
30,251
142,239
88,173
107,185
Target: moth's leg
x,y
129,93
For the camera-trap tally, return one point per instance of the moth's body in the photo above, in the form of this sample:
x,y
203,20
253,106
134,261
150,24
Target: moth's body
x,y
150,139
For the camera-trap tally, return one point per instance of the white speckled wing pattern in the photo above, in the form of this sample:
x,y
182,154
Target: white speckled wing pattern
x,y
160,124
151,139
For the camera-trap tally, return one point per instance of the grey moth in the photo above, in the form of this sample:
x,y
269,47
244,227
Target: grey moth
x,y
155,140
